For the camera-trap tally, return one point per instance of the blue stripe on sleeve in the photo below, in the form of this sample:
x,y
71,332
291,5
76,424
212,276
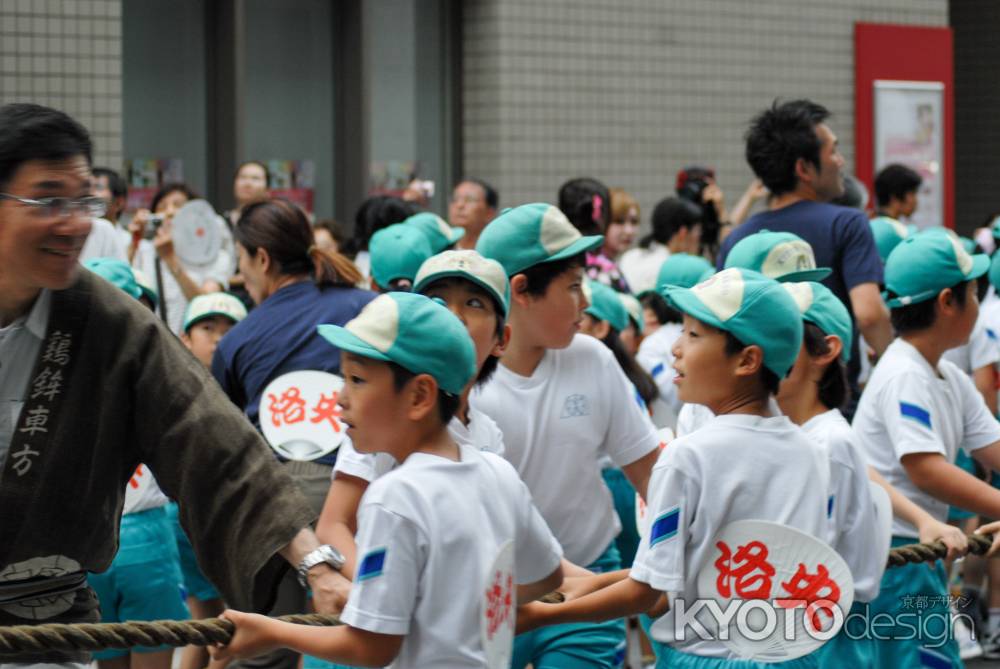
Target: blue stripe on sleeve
x,y
657,370
371,565
913,412
665,527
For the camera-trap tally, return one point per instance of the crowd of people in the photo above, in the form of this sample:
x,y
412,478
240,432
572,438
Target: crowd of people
x,y
516,382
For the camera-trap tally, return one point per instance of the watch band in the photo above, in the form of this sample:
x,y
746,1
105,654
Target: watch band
x,y
324,553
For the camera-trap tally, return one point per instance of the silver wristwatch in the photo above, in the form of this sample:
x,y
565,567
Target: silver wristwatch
x,y
324,553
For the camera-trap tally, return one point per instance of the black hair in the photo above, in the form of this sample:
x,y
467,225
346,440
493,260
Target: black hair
x,y
577,200
490,196
659,306
333,227
115,182
920,316
447,403
855,194
375,213
768,378
491,362
167,189
833,388
895,181
541,275
778,137
669,216
33,132
640,378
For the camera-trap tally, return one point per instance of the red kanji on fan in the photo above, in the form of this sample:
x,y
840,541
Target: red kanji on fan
x,y
806,588
290,407
750,569
327,409
134,480
499,603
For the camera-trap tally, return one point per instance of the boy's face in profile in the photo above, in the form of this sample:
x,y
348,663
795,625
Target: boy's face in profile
x,y
705,374
965,317
369,403
202,337
477,311
555,317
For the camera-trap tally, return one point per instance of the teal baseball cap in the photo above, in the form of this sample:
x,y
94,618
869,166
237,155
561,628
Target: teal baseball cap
x,y
532,234
397,252
605,305
416,332
822,308
436,229
213,304
148,289
683,269
750,306
469,265
117,272
995,271
634,309
782,256
888,232
923,265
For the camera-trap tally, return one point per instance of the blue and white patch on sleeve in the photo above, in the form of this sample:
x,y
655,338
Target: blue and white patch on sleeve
x,y
371,565
829,506
990,334
665,526
914,412
657,370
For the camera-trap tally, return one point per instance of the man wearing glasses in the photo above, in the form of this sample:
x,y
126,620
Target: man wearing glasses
x,y
91,384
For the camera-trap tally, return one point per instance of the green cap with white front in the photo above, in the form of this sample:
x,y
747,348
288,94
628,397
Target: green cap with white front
x,y
634,309
468,265
922,266
117,272
213,304
683,269
397,252
436,229
605,305
888,233
751,307
822,308
782,256
416,332
530,235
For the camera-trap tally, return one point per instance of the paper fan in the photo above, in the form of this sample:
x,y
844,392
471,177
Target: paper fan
x,y
197,233
300,416
781,592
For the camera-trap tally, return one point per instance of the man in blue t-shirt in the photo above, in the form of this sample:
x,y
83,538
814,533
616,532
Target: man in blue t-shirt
x,y
793,151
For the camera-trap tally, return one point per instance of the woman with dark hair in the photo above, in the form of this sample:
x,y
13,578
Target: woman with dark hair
x,y
375,213
586,202
177,281
296,287
249,185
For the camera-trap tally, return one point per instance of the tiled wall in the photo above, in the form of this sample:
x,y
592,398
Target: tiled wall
x,y
67,54
630,91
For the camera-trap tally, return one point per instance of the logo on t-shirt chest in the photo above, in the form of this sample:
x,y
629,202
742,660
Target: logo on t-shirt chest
x,y
574,406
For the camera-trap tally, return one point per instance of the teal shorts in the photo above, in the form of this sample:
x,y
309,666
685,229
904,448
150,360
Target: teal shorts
x,y
965,462
852,647
669,658
910,620
195,583
144,580
623,495
577,645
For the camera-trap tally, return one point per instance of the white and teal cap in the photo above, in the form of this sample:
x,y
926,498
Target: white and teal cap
x,y
822,308
634,309
117,272
397,252
888,233
923,265
436,229
468,265
213,304
750,306
530,235
416,332
605,305
782,256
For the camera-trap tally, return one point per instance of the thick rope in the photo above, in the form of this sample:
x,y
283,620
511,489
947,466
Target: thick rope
x,y
89,636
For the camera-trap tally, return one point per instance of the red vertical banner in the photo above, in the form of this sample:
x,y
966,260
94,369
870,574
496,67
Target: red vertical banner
x,y
902,56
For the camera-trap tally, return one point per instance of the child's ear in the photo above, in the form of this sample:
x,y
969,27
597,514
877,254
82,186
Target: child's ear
x,y
422,396
836,347
750,360
519,289
501,345
601,329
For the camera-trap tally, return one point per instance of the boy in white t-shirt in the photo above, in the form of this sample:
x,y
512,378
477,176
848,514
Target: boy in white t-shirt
x,y
742,333
562,402
917,410
448,525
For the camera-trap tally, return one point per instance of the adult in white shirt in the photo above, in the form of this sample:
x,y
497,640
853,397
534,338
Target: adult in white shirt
x,y
676,227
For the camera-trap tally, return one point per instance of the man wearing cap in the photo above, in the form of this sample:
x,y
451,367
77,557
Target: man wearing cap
x,y
793,151
92,384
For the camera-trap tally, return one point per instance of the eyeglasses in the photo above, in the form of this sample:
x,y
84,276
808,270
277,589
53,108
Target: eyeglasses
x,y
61,207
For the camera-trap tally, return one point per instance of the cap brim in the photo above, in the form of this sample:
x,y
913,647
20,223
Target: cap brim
x,y
685,301
817,274
577,247
437,276
209,314
980,266
346,341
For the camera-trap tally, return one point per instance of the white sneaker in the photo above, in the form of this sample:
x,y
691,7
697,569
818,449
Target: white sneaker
x,y
968,647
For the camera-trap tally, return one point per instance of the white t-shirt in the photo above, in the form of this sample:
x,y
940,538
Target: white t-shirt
x,y
142,492
656,358
694,416
853,526
481,433
906,408
989,311
641,266
736,467
982,349
103,242
575,407
428,534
